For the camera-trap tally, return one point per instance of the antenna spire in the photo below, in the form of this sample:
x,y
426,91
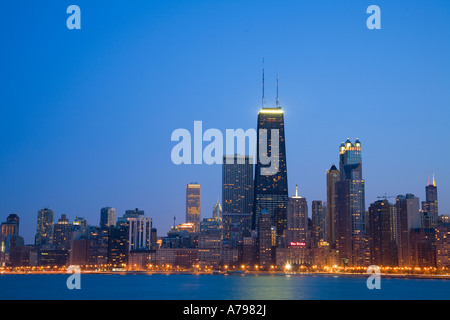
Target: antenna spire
x,y
428,179
263,98
296,190
434,181
278,99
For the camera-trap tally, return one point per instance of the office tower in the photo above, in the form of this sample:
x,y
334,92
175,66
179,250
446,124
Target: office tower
x,y
139,233
237,184
107,217
297,220
271,185
408,218
217,212
383,233
193,204
62,234
431,203
136,213
333,176
443,246
319,222
44,230
265,239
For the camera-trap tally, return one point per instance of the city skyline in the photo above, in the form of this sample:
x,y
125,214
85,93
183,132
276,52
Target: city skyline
x,y
86,119
421,205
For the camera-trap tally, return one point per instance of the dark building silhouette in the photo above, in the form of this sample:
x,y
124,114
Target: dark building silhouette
x,y
383,233
333,176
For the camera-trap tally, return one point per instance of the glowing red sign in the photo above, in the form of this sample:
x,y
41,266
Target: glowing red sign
x,y
298,244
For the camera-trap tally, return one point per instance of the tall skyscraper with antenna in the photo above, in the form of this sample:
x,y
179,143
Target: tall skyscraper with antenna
x,y
271,190
431,202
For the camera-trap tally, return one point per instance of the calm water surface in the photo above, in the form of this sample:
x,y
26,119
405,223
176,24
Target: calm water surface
x,y
218,287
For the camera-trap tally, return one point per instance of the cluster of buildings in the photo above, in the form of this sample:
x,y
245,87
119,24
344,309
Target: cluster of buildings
x,y
257,224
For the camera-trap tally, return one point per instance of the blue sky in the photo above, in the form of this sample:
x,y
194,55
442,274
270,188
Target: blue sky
x,y
86,115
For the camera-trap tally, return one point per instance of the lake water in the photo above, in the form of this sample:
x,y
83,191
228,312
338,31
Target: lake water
x,y
218,287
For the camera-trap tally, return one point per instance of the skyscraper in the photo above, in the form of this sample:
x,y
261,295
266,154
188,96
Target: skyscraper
x,y
107,217
193,200
217,212
297,221
350,217
271,185
237,184
9,237
319,222
350,167
264,239
44,230
408,218
333,176
62,234
431,202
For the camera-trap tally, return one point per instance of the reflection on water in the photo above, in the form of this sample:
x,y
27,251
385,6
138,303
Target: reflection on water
x,y
219,287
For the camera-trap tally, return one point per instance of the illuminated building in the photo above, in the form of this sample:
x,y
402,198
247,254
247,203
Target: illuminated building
x,y
62,233
333,176
118,243
136,213
408,218
431,202
44,230
271,186
265,239
443,245
9,237
193,207
236,226
98,245
319,223
237,184
383,233
217,212
423,247
107,217
297,220
350,217
139,233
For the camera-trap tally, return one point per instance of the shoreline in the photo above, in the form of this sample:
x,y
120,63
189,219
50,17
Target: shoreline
x,y
253,273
